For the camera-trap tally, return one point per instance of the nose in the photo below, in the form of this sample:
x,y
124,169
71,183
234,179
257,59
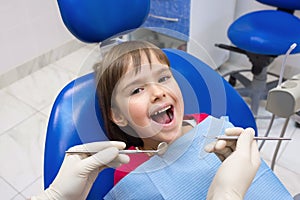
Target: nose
x,y
157,92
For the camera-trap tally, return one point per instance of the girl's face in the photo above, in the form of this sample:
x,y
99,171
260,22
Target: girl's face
x,y
150,102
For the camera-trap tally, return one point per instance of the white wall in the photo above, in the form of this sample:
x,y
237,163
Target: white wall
x,y
28,29
209,20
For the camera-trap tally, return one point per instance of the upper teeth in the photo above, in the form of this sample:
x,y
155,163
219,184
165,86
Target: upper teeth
x,y
162,110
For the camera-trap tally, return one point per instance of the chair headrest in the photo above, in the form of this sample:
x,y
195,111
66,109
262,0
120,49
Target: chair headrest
x,y
97,20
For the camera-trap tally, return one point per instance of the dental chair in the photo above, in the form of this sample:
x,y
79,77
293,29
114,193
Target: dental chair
x,y
75,117
75,110
262,36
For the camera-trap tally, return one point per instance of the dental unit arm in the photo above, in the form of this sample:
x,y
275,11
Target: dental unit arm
x,y
284,100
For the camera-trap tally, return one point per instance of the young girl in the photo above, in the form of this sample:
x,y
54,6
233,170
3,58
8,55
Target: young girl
x,y
142,105
140,100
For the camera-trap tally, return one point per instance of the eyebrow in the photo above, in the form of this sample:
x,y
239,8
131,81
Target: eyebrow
x,y
138,80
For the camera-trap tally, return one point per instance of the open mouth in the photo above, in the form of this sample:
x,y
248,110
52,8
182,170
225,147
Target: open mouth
x,y
163,116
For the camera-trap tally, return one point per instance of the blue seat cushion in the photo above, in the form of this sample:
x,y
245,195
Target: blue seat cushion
x,y
267,32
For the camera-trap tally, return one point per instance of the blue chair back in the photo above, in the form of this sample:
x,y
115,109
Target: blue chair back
x,y
75,117
97,20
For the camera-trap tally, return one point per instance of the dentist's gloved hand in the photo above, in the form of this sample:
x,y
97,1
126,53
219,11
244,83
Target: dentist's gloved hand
x,y
223,148
237,172
79,171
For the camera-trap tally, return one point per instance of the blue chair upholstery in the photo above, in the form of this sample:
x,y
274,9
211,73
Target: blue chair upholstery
x,y
97,20
262,36
90,21
75,117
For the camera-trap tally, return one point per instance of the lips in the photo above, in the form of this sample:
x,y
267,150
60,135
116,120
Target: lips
x,y
164,115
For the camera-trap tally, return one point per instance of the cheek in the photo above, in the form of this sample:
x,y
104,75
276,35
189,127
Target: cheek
x,y
137,108
175,90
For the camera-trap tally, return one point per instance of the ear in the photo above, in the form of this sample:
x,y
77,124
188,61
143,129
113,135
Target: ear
x,y
118,118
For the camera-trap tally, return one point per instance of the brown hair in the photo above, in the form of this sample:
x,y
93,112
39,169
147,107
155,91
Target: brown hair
x,y
108,72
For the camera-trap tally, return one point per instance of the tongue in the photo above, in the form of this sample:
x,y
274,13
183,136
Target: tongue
x,y
162,118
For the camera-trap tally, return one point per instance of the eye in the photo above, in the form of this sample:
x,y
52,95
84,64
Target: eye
x,y
164,78
136,91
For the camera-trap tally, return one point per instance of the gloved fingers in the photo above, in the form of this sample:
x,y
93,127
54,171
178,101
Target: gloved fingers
x,y
224,146
209,148
98,146
92,177
79,156
234,131
231,144
103,158
224,153
220,144
245,140
118,161
217,145
255,155
248,147
221,157
220,148
100,159
124,159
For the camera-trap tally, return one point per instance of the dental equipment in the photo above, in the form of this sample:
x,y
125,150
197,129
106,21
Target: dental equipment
x,y
225,137
161,149
283,101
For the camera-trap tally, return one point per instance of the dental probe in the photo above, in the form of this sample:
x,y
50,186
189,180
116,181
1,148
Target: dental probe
x,y
225,137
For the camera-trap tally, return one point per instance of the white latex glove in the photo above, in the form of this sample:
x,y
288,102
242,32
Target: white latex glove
x,y
223,148
79,171
237,172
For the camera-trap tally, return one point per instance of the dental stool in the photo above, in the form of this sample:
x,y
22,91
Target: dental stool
x,y
262,36
75,116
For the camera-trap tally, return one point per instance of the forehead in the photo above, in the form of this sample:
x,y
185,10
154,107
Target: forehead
x,y
144,58
130,65
146,71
